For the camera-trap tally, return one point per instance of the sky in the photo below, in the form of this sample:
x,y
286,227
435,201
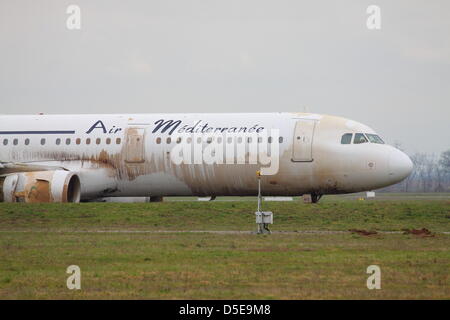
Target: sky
x,y
234,56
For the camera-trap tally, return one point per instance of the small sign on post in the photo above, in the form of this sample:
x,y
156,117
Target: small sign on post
x,y
307,198
263,218
370,194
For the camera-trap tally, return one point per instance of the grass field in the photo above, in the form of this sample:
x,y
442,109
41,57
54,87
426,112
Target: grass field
x,y
122,254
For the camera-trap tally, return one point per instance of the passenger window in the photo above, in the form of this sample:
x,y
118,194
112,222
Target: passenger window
x,y
68,141
230,140
158,140
5,142
360,138
78,141
15,142
280,140
88,141
98,141
374,138
347,138
269,140
179,140
27,141
42,141
188,140
58,141
118,141
168,140
108,140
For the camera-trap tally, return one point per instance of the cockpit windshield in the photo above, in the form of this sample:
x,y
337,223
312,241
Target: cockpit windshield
x,y
347,138
359,138
374,138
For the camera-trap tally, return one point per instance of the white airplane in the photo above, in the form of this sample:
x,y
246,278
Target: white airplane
x,y
72,158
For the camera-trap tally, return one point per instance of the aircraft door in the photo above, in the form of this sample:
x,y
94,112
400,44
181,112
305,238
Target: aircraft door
x,y
135,146
303,140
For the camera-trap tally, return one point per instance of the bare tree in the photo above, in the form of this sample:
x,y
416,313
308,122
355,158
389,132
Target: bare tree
x,y
439,178
419,160
444,161
430,174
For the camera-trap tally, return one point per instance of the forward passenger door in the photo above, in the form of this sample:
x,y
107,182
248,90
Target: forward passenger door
x,y
303,140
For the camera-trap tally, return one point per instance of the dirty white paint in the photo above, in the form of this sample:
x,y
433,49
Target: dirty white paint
x,y
129,156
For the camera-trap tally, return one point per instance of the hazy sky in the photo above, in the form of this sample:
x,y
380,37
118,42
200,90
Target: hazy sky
x,y
234,56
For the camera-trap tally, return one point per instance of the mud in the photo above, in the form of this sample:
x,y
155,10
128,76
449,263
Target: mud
x,y
419,232
363,232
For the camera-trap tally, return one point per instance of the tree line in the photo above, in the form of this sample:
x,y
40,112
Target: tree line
x,y
431,173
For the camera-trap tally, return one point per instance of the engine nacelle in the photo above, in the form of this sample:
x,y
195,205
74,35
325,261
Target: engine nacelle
x,y
40,186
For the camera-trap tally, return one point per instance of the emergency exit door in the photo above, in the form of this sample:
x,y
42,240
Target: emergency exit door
x,y
135,148
303,140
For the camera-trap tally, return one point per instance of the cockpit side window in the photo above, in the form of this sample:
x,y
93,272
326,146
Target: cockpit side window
x,y
374,138
346,138
360,138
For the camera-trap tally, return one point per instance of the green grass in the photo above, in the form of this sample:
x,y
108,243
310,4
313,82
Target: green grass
x,y
239,215
224,266
199,266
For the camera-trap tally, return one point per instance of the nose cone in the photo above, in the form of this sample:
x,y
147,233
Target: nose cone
x,y
400,165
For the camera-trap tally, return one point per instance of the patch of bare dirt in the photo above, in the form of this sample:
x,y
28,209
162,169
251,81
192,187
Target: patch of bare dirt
x,y
419,232
363,232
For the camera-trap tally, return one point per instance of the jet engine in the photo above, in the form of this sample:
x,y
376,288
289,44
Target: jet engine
x,y
40,186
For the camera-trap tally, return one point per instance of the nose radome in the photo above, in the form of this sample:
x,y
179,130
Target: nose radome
x,y
400,165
